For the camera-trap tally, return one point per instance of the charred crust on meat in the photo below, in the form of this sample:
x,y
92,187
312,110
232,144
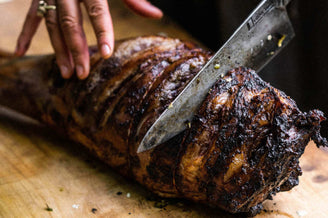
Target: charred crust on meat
x,y
266,132
243,145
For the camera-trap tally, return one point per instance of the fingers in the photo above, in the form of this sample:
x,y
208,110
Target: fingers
x,y
63,57
102,23
70,21
144,8
66,32
30,26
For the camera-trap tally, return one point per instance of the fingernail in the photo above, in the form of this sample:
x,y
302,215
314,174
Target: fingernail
x,y
64,71
105,51
79,71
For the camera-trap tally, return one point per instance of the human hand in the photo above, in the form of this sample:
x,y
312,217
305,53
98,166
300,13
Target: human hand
x,y
66,33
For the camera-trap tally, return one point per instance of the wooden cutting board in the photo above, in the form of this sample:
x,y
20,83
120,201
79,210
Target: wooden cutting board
x,y
44,175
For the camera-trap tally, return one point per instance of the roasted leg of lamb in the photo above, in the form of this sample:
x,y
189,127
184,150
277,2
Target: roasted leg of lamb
x,y
242,146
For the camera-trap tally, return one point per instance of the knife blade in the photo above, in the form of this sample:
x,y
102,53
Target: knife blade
x,y
265,32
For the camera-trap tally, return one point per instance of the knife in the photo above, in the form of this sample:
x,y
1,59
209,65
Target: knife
x,y
265,32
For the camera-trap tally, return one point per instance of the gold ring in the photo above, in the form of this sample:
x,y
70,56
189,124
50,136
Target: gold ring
x,y
44,7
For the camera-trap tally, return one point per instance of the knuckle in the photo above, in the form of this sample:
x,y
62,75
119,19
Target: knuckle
x,y
77,48
100,33
126,1
76,54
51,22
96,10
69,23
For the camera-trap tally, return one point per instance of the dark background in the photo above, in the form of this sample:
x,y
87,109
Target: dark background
x,y
300,70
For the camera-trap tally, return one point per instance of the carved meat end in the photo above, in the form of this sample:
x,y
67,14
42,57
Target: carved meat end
x,y
244,144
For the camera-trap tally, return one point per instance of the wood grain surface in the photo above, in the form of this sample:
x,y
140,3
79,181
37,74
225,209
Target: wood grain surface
x,y
45,175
